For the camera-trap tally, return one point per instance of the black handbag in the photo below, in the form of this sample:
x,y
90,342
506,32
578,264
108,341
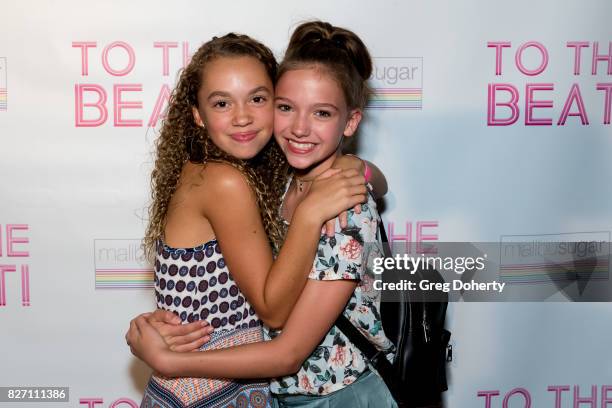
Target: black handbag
x,y
417,377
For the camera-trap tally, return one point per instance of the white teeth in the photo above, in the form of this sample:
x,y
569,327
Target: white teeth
x,y
303,146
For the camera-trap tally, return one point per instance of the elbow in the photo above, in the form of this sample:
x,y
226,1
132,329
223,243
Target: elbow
x,y
288,357
290,361
275,324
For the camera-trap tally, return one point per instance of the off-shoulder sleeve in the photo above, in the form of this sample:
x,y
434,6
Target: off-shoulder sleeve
x,y
343,256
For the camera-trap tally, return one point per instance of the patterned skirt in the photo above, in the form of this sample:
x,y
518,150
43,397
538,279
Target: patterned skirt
x,y
210,393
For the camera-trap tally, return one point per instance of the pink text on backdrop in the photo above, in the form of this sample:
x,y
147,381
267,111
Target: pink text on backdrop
x,y
419,237
95,402
14,245
92,101
506,97
577,398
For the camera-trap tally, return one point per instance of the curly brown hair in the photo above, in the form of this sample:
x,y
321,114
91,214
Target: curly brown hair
x,y
182,140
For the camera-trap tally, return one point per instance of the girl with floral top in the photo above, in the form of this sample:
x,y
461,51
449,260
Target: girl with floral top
x,y
216,187
319,99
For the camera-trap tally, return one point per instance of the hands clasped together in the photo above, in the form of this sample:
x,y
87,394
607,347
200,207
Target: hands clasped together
x,y
152,336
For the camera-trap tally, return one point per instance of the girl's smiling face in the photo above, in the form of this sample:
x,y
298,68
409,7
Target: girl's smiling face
x,y
310,118
235,104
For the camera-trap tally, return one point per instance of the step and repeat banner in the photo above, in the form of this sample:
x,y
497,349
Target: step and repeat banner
x,y
490,120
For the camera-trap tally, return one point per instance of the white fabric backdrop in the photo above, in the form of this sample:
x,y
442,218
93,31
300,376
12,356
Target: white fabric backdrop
x,y
73,197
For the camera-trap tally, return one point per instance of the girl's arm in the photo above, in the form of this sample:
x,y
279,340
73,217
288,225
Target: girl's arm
x,y
377,178
230,205
281,356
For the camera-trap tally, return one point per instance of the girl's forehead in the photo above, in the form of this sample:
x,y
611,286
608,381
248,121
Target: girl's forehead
x,y
317,81
234,71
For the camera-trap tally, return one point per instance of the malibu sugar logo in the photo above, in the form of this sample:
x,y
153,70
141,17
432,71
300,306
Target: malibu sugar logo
x,y
3,94
120,264
397,83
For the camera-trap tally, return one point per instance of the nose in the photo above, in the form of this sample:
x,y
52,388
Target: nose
x,y
242,116
300,126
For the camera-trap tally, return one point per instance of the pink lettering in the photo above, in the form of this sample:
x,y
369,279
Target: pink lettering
x,y
162,101
165,46
574,95
186,54
131,58
558,389
605,398
10,240
531,104
127,401
80,104
492,120
421,237
577,46
488,396
84,46
3,270
120,105
400,237
604,57
499,46
592,400
25,285
607,88
90,401
519,55
523,392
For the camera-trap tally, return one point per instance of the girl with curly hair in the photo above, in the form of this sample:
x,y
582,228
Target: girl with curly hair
x,y
320,95
216,188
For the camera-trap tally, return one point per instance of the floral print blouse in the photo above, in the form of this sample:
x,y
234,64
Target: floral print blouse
x,y
336,362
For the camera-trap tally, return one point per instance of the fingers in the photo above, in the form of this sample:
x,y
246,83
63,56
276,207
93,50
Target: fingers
x,y
328,173
359,190
193,346
350,173
141,323
190,337
330,228
343,218
165,316
132,332
187,329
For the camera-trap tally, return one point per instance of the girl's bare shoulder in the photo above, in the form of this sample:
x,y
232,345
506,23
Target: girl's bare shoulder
x,y
214,179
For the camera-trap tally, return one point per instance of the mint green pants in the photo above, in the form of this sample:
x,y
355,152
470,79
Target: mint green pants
x,y
369,391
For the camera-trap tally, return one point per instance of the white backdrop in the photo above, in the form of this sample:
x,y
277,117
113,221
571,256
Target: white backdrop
x,y
73,196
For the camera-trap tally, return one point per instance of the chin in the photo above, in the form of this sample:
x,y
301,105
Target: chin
x,y
300,163
247,152
246,155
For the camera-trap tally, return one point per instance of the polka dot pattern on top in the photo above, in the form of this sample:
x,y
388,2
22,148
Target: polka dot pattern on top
x,y
195,284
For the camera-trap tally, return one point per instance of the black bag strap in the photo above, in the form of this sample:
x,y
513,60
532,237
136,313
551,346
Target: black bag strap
x,y
374,356
377,358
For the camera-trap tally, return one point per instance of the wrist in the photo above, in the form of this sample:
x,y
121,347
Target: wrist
x,y
307,216
163,363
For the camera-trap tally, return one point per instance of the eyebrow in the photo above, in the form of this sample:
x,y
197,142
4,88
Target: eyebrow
x,y
326,105
316,105
226,94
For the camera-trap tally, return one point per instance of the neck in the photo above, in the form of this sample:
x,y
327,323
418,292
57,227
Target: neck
x,y
310,173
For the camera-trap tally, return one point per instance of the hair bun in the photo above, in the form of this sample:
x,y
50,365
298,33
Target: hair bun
x,y
340,50
319,32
